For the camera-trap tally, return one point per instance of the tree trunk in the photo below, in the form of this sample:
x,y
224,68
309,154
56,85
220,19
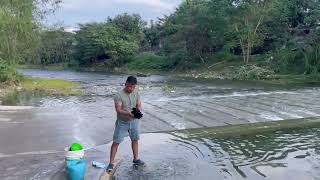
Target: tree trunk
x,y
243,51
248,52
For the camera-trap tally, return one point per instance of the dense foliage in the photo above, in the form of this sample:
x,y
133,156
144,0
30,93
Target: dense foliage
x,y
278,35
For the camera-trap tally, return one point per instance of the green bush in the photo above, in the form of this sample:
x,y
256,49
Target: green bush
x,y
296,61
148,60
181,60
224,56
286,61
312,61
8,72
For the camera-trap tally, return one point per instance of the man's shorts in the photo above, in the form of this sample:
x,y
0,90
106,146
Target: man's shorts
x,y
125,128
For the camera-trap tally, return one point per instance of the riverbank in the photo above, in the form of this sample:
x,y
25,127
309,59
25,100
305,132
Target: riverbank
x,y
273,79
222,70
56,67
250,73
50,87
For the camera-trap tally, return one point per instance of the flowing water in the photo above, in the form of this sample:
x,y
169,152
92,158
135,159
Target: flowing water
x,y
172,103
293,155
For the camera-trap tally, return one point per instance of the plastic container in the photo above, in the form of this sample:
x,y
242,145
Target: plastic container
x,y
75,162
76,169
74,154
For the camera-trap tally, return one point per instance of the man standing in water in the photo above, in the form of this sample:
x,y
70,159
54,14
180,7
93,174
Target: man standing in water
x,y
128,107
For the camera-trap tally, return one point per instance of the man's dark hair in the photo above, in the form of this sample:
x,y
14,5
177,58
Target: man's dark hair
x,y
132,80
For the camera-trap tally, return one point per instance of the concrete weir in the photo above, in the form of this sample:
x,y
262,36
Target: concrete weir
x,y
198,133
32,139
100,153
50,165
251,128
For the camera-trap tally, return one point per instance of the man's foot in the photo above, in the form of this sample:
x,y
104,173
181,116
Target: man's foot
x,y
110,168
138,162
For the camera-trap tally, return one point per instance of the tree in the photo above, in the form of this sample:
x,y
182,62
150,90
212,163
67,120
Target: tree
x,y
19,20
195,31
115,40
247,18
151,39
55,47
16,28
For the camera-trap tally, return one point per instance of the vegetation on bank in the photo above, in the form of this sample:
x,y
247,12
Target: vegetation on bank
x,y
51,86
260,40
53,67
21,41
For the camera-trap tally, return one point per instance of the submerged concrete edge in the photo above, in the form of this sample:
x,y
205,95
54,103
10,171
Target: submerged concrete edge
x,y
250,128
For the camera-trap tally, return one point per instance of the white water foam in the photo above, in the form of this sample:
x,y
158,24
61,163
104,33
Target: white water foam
x,y
270,117
235,94
308,112
290,114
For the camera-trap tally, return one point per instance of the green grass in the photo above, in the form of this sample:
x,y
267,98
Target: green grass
x,y
149,60
58,66
51,86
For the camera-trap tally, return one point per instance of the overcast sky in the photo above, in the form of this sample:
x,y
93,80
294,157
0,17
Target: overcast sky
x,y
73,12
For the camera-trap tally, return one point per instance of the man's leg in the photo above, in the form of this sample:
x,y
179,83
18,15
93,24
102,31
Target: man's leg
x,y
135,149
113,152
134,135
121,130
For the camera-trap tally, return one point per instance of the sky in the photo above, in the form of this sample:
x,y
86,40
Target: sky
x,y
73,12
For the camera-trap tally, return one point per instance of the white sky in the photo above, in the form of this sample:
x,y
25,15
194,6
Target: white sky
x,y
73,12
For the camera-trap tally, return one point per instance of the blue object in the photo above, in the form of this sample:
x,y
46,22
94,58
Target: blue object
x,y
76,169
99,164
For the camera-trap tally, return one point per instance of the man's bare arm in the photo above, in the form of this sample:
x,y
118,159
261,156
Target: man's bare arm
x,y
139,106
119,110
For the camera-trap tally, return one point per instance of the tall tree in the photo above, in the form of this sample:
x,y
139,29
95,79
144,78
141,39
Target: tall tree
x,y
55,47
247,18
195,31
19,20
114,40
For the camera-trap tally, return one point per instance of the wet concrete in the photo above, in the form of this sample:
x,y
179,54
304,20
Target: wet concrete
x,y
250,151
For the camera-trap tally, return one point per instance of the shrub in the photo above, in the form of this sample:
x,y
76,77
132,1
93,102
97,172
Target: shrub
x,y
148,60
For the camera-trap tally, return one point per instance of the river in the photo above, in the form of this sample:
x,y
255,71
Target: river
x,y
174,103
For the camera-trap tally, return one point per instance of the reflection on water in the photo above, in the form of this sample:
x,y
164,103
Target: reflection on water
x,y
293,154
24,98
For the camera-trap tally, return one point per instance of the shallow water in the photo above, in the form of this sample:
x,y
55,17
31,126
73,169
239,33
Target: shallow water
x,y
292,154
178,103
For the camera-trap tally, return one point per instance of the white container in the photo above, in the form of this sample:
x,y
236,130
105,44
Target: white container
x,y
74,154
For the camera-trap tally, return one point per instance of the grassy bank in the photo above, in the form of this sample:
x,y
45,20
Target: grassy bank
x,y
249,72
58,66
229,70
50,87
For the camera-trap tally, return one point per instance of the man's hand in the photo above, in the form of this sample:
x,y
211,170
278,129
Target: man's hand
x,y
130,115
137,113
